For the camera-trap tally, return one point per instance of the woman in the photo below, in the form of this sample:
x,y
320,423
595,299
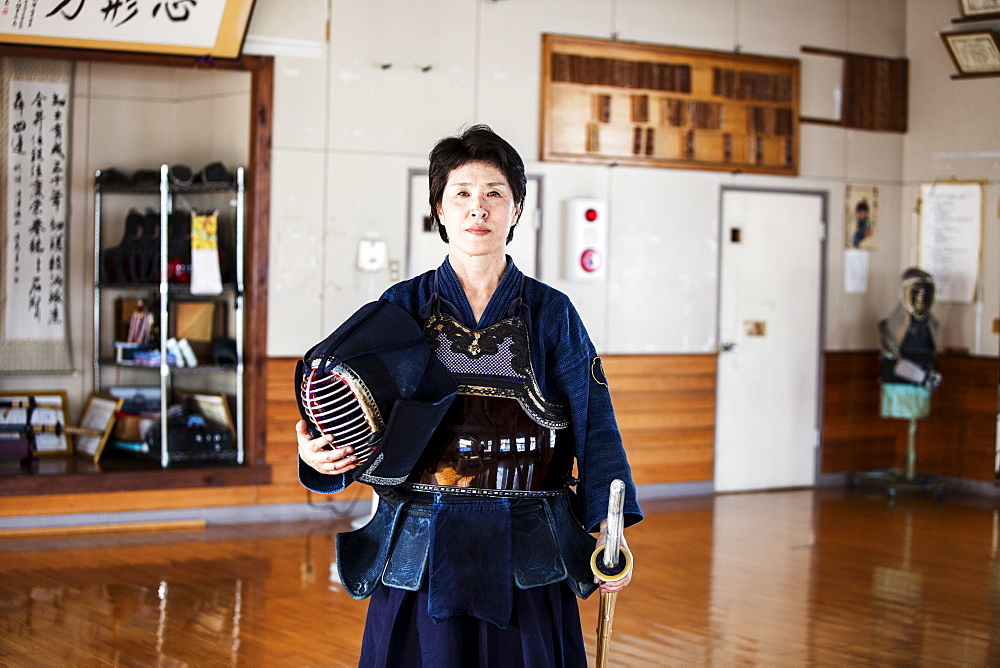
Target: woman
x,y
487,549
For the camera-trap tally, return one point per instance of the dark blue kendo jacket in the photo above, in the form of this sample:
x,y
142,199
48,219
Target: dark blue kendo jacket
x,y
566,369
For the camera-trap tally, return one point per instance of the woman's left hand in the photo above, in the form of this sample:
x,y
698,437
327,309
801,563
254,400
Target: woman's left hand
x,y
617,585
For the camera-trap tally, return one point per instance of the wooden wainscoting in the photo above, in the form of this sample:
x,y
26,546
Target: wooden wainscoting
x,y
666,412
957,439
855,436
282,414
665,406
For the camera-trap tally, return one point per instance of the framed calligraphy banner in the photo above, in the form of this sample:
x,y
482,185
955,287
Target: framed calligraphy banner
x,y
184,27
951,229
979,9
34,166
974,53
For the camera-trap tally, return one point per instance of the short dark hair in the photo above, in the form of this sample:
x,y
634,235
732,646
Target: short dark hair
x,y
478,143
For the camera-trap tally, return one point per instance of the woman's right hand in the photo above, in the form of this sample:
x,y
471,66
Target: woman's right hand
x,y
315,453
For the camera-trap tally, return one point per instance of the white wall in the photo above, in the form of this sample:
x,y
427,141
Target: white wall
x,y
953,134
347,129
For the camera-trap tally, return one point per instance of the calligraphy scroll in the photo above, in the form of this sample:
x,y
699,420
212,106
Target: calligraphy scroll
x,y
34,208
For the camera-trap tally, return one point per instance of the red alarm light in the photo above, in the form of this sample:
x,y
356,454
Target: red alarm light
x,y
586,240
591,260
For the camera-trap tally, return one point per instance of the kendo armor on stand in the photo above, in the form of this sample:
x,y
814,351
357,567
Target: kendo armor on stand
x,y
908,372
908,335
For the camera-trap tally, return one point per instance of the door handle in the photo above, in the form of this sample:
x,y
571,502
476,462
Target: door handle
x,y
728,346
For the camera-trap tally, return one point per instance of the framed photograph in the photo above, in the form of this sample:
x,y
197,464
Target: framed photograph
x,y
133,319
38,416
96,423
973,53
861,217
979,9
200,321
199,29
213,407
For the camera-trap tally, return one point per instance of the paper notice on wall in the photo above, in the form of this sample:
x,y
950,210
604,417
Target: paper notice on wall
x,y
951,221
855,271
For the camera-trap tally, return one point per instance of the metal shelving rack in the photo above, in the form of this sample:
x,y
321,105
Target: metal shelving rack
x,y
167,291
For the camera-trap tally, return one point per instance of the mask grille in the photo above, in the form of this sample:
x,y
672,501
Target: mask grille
x,y
338,404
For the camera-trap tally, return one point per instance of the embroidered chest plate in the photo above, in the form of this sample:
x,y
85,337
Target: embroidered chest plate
x,y
495,361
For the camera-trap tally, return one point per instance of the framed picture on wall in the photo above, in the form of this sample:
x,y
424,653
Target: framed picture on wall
x,y
861,217
974,53
979,9
199,29
616,102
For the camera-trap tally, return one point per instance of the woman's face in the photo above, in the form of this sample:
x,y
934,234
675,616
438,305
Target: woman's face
x,y
477,210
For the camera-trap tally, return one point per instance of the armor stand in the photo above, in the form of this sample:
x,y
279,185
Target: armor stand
x,y
911,451
909,402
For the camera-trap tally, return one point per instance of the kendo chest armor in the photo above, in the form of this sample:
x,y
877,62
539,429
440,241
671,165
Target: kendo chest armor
x,y
500,434
486,508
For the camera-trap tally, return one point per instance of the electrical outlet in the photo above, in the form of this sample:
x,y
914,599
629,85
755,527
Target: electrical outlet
x,y
394,270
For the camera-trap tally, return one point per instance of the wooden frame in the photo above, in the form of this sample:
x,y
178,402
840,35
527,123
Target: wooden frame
x,y
210,30
974,52
50,411
213,407
861,231
629,103
98,415
200,321
258,203
979,9
874,91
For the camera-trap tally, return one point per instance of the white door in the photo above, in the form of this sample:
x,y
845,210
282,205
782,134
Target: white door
x,y
767,431
426,251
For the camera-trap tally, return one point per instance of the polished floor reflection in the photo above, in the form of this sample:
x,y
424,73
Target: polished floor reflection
x,y
828,578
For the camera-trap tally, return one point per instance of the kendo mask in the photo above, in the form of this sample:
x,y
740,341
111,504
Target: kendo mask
x,y
917,292
374,384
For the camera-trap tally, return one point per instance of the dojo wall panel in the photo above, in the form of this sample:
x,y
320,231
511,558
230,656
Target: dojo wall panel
x,y
957,439
665,405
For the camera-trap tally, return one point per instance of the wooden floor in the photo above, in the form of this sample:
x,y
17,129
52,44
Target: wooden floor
x,y
826,578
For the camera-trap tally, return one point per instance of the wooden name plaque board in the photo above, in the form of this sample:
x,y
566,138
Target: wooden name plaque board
x,y
629,103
